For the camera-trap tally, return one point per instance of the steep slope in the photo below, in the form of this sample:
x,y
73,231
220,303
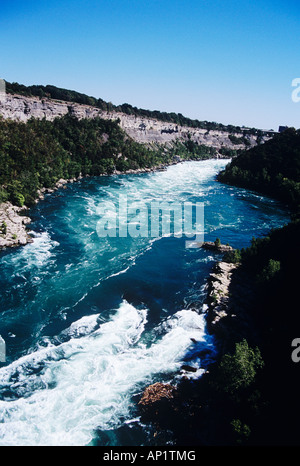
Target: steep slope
x,y
272,168
142,129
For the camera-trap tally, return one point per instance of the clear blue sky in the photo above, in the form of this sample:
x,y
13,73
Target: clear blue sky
x,y
230,61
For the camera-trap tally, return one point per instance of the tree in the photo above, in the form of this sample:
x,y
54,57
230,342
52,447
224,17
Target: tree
x,y
241,430
217,242
237,371
15,190
269,272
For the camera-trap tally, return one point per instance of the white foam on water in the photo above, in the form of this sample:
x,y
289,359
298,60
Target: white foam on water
x,y
35,254
87,383
59,394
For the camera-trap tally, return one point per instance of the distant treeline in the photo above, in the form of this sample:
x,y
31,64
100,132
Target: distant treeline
x,y
38,153
53,92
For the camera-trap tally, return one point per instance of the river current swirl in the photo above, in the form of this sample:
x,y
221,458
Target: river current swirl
x,y
89,322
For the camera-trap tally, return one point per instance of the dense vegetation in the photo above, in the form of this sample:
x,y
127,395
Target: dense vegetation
x,y
267,411
57,93
38,153
251,390
272,168
250,395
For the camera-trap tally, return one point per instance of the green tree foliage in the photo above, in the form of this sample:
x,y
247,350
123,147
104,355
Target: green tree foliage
x,y
269,272
250,393
233,256
38,153
238,370
217,242
269,266
241,430
3,228
239,140
272,168
14,189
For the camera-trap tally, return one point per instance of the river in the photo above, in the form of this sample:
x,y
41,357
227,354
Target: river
x,y
90,321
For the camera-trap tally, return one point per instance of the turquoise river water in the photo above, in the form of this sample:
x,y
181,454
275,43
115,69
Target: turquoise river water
x,y
90,321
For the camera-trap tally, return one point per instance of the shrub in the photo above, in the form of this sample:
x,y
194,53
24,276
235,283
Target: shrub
x,y
4,228
237,371
232,256
217,242
242,431
269,272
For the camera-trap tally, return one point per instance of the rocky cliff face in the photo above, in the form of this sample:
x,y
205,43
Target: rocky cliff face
x,y
143,130
13,231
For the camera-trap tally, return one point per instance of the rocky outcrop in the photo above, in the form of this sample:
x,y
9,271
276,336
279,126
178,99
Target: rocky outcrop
x,y
20,108
218,292
59,184
173,413
163,405
13,222
229,301
213,246
155,393
157,404
197,412
142,129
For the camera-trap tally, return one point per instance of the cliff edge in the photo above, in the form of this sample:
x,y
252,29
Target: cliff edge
x,y
142,129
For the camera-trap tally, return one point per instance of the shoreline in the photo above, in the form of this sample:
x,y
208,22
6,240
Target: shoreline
x,y
159,402
15,222
13,226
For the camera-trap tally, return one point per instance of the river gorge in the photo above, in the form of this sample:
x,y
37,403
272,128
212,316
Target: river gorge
x,y
90,321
